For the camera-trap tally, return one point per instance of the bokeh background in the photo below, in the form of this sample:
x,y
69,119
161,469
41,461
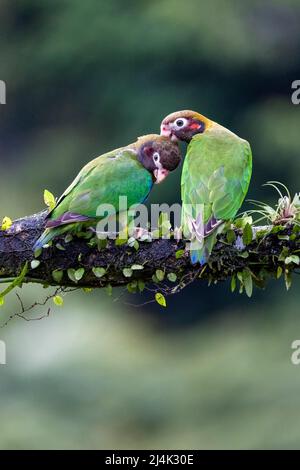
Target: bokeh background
x,y
212,370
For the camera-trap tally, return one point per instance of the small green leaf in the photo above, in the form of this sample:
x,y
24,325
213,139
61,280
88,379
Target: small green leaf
x,y
164,224
179,254
154,279
131,241
60,247
160,299
132,287
120,241
248,283
99,272
292,259
230,236
260,234
127,272
247,234
79,273
141,285
57,275
243,221
284,253
233,283
58,300
172,277
6,223
288,279
238,223
277,228
101,244
71,275
68,238
279,272
34,263
17,282
38,252
137,267
49,199
283,237
87,290
109,290
160,274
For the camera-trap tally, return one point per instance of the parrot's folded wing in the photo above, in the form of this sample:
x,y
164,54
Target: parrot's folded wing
x,y
100,184
66,218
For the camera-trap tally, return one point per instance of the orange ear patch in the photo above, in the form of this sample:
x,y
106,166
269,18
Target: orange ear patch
x,y
194,126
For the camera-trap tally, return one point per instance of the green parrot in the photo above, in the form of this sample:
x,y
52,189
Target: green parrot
x,y
215,177
128,171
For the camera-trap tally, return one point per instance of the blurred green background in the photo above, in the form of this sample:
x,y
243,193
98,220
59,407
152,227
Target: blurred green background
x,y
213,370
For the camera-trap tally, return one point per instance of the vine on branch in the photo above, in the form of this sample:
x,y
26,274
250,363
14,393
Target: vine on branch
x,y
246,253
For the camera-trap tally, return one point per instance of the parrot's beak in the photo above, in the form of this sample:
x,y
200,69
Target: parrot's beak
x,y
167,132
160,174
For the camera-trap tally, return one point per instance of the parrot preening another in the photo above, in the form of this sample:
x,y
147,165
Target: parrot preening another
x,y
128,171
215,177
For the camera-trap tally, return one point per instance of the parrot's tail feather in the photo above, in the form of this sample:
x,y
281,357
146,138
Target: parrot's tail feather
x,y
199,256
200,252
48,235
45,238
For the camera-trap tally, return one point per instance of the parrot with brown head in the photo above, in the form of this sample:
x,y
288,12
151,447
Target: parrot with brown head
x,y
215,177
129,171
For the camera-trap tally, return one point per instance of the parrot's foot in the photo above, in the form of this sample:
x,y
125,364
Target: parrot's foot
x,y
140,233
103,235
178,232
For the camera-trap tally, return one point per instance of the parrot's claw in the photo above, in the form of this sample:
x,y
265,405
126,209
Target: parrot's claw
x,y
178,232
103,234
140,233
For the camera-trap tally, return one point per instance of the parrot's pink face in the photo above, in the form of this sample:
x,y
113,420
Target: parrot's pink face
x,y
183,125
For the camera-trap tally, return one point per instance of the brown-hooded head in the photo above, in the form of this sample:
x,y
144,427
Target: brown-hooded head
x,y
184,125
158,154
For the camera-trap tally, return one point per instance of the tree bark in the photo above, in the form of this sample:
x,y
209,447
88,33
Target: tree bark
x,y
16,248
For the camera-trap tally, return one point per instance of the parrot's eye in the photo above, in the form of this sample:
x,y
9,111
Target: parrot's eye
x,y
181,122
156,157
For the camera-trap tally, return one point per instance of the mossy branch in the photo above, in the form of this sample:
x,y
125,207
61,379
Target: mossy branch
x,y
272,251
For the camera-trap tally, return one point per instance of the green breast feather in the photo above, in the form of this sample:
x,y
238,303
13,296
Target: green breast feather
x,y
216,176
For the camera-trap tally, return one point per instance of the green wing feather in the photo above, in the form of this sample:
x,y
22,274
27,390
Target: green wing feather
x,y
102,181
215,178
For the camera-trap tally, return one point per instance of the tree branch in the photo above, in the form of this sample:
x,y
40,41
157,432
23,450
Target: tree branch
x,y
261,257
